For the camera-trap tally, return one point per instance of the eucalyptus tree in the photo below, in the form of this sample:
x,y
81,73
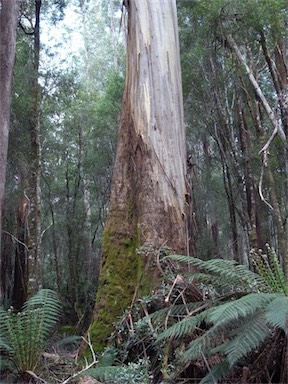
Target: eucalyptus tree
x,y
8,25
148,199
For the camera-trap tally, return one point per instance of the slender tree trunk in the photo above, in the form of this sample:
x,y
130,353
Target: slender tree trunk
x,y
8,26
147,206
212,216
20,277
34,242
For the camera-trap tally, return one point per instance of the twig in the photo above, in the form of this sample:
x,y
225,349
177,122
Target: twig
x,y
208,367
261,181
88,366
148,317
15,239
31,373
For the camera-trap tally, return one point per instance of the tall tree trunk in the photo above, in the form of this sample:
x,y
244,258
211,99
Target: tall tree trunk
x,y
8,26
147,206
20,278
34,245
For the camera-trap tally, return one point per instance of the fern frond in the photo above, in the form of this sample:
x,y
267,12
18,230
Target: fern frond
x,y
183,327
216,373
203,344
277,313
229,273
247,338
5,347
269,268
240,308
48,304
281,281
177,310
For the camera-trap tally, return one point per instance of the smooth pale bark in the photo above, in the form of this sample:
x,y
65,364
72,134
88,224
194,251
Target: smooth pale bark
x,y
151,152
148,198
8,26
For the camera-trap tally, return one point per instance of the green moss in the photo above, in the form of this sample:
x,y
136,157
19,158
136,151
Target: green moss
x,y
122,279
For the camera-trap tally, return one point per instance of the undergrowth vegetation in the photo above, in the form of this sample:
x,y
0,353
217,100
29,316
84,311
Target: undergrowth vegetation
x,y
219,323
209,321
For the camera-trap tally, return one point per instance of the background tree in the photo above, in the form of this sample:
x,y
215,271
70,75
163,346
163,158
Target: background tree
x,y
231,69
8,25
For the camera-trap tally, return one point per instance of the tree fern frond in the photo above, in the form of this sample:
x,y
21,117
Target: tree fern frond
x,y
216,373
228,272
269,268
277,313
183,327
48,301
202,344
247,338
5,346
278,273
236,309
7,363
177,310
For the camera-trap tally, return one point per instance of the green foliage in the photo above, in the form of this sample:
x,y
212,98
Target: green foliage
x,y
235,324
222,275
23,335
132,373
269,268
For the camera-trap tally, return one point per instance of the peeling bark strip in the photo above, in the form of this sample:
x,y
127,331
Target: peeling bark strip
x,y
8,25
147,206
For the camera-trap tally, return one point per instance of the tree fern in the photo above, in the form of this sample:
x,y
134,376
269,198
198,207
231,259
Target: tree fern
x,y
23,335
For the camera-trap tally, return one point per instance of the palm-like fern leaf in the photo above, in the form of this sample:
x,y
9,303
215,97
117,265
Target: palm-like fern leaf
x,y
216,373
277,313
47,304
247,337
203,344
227,271
183,327
243,307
